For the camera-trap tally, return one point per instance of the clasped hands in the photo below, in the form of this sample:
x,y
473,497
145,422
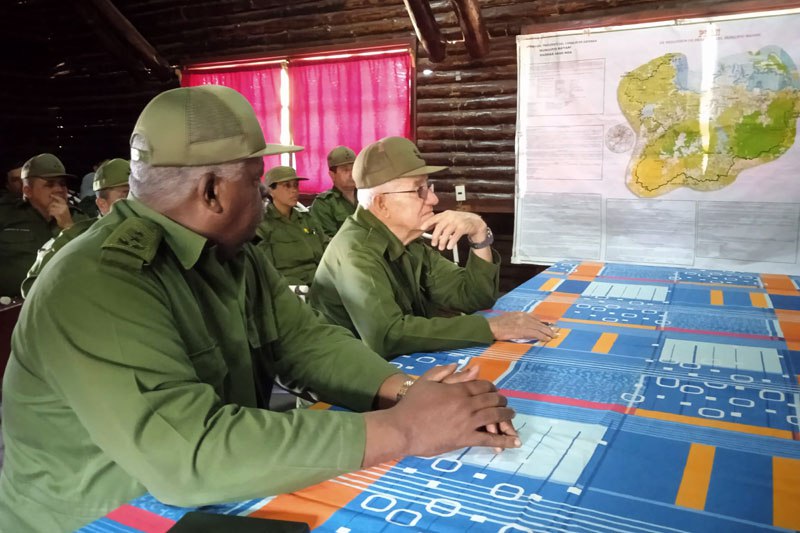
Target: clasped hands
x,y
470,411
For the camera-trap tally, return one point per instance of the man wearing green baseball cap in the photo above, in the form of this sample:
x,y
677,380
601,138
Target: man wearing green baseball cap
x,y
166,390
290,237
383,282
27,224
332,207
110,183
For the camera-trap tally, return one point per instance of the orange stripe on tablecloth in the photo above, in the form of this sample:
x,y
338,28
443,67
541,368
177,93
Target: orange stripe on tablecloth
x,y
696,477
717,298
720,424
758,299
562,334
786,492
790,324
778,282
586,271
495,360
550,284
608,324
314,505
784,293
554,306
320,406
793,345
605,342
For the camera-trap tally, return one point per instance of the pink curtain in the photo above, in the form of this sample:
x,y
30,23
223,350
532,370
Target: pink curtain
x,y
261,87
351,102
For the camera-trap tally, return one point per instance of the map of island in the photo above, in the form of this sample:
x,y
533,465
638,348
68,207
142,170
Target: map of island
x,y
702,133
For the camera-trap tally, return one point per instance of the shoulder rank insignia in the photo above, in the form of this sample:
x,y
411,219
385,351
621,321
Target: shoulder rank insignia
x,y
133,243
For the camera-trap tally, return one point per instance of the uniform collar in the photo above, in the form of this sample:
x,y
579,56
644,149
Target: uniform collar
x,y
394,245
339,194
273,212
185,244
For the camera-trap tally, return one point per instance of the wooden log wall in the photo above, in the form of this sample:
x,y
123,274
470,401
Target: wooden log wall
x,y
64,92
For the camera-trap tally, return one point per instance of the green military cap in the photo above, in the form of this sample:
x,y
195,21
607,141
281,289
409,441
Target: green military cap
x,y
281,173
112,173
341,155
44,166
204,125
389,159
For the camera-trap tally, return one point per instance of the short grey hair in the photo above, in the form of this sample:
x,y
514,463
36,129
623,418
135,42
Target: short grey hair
x,y
367,196
166,187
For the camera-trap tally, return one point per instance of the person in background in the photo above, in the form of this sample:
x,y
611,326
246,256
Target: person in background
x,y
333,206
171,398
87,193
382,281
291,238
41,214
13,186
110,183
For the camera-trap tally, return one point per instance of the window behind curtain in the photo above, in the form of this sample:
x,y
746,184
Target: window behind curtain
x,y
351,102
261,86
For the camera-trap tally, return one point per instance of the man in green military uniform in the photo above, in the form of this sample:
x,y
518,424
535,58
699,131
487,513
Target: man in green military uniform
x,y
27,224
142,358
379,279
291,238
333,206
110,183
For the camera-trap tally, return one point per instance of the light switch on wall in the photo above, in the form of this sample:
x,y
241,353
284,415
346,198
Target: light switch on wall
x,y
461,193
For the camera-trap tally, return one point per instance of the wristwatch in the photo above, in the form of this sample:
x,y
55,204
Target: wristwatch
x,y
484,243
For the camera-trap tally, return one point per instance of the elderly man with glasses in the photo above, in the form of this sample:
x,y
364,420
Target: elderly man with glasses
x,y
382,281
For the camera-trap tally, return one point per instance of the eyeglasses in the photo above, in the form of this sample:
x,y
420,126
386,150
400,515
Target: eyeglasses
x,y
422,191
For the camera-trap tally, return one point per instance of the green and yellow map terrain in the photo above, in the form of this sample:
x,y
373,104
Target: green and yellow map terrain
x,y
702,133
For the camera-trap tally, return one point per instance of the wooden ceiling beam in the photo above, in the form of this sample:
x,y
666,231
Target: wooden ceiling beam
x,y
124,40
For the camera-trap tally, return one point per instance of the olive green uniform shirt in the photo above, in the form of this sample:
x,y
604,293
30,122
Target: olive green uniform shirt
x,y
390,294
294,244
331,209
139,363
23,231
49,249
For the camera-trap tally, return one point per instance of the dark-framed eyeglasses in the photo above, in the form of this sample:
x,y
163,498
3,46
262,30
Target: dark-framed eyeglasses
x,y
422,191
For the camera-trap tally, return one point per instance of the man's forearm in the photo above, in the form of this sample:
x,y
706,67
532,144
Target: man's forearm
x,y
484,253
387,393
385,439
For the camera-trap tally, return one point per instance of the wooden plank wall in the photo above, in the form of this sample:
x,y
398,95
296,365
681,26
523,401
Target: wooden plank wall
x,y
69,95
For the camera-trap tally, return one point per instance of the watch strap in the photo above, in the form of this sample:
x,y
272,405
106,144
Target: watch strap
x,y
484,243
